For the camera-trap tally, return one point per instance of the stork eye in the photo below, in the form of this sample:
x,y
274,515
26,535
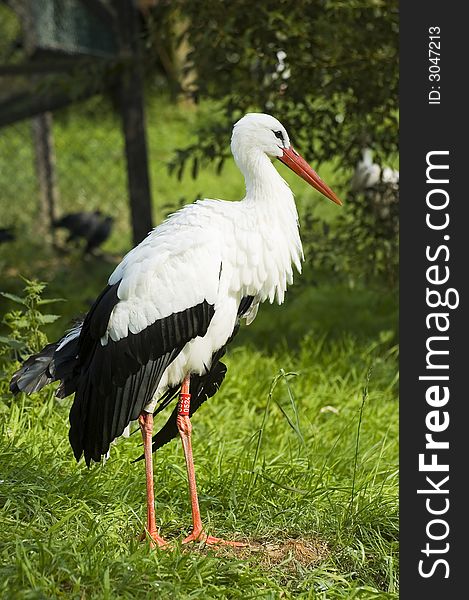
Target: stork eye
x,y
279,135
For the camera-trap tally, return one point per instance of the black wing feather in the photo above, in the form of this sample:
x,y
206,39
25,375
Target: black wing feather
x,y
114,382
202,386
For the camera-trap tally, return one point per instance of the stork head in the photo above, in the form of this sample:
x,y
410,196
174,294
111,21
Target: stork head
x,y
258,132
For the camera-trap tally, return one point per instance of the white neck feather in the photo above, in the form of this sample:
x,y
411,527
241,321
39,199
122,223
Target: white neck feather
x,y
263,182
272,199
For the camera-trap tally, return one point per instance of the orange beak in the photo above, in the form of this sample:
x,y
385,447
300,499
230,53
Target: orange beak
x,y
298,165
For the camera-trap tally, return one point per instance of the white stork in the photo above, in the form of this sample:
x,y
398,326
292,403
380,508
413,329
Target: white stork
x,y
160,327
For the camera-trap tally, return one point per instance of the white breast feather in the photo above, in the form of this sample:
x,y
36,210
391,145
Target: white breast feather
x,y
174,268
178,265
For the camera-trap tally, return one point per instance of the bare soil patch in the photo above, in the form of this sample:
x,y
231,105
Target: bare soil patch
x,y
273,553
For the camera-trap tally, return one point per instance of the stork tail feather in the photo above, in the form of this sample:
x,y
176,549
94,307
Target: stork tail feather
x,y
35,372
54,362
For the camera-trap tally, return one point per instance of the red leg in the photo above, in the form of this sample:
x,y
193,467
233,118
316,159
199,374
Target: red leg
x,y
185,430
146,425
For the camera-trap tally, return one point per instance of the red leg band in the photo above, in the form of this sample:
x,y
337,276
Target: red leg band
x,y
184,404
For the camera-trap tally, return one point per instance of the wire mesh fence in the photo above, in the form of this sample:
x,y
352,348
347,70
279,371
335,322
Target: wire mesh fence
x,y
90,172
18,182
55,160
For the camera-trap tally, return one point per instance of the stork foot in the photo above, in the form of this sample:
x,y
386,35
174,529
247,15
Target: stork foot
x,y
201,536
154,539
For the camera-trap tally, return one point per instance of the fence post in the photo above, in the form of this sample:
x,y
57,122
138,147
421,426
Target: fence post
x,y
45,168
133,120
42,137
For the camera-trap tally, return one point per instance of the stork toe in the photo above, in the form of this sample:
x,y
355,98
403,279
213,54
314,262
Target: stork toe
x,y
154,539
210,540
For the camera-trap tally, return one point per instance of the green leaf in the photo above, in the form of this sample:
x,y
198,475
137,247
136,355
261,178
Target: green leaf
x,y
21,322
50,300
47,318
11,343
13,297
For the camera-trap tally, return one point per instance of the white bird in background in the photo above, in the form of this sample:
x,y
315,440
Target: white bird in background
x,y
369,174
160,327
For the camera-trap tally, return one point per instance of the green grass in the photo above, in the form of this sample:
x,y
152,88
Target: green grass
x,y
294,464
301,442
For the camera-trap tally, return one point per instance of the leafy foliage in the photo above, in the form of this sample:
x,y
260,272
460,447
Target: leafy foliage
x,y
24,332
24,323
327,67
362,245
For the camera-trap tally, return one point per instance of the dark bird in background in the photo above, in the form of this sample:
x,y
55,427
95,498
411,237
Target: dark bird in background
x,y
99,234
92,227
7,235
159,328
